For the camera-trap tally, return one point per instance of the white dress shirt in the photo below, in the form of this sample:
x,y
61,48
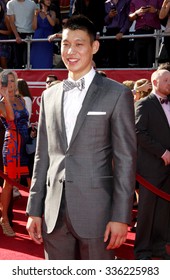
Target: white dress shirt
x,y
73,100
166,108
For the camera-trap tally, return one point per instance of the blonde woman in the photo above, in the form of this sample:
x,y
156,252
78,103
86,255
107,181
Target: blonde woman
x,y
14,117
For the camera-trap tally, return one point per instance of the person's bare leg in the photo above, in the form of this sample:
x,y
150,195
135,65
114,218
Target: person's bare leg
x,y
5,200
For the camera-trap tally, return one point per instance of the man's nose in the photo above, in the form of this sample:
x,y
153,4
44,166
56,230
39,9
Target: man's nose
x,y
71,49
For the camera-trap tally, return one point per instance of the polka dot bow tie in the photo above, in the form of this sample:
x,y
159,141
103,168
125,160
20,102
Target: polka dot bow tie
x,y
69,85
164,100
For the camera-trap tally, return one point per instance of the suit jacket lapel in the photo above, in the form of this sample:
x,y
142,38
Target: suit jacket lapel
x,y
156,102
60,115
87,104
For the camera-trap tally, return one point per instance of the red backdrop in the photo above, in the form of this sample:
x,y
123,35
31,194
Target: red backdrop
x,y
36,81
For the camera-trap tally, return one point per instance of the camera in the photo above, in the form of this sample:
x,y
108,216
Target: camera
x,y
4,80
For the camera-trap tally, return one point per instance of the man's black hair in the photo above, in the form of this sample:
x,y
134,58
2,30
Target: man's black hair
x,y
81,22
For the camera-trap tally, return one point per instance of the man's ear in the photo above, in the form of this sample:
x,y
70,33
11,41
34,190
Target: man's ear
x,y
155,83
96,46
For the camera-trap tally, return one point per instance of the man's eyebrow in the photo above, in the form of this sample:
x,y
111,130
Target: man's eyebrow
x,y
77,39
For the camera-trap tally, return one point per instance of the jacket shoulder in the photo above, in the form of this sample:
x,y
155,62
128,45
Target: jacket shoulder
x,y
146,100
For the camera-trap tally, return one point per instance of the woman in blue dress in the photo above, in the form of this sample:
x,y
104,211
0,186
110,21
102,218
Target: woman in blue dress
x,y
43,23
14,117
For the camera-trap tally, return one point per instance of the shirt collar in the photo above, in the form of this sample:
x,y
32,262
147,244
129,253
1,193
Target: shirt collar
x,y
88,78
158,96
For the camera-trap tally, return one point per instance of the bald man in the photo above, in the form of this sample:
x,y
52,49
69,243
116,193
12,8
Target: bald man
x,y
153,163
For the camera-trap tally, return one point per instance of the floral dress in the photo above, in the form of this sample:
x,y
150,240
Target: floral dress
x,y
15,159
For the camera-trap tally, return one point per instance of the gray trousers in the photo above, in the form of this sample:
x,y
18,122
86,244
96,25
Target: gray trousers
x,y
64,244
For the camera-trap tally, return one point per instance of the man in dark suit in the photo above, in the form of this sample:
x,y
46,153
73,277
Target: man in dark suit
x,y
153,163
84,173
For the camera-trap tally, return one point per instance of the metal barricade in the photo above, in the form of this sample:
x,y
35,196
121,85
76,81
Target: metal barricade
x,y
158,35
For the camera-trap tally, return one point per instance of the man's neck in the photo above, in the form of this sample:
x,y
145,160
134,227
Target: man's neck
x,y
77,76
160,95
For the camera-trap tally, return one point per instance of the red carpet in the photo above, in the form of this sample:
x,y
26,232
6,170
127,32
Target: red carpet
x,y
21,247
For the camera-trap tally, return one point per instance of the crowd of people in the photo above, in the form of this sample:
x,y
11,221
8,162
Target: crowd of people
x,y
86,154
41,19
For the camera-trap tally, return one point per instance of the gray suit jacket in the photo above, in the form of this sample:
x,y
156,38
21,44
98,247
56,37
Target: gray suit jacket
x,y
96,193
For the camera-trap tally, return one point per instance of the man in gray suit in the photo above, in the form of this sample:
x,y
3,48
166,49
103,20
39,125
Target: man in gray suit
x,y
84,173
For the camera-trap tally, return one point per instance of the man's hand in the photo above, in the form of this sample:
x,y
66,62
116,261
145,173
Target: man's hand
x,y
117,232
112,13
54,36
18,39
119,36
34,229
146,86
166,157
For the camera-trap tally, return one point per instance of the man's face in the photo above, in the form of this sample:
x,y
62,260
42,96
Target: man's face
x,y
163,83
77,52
